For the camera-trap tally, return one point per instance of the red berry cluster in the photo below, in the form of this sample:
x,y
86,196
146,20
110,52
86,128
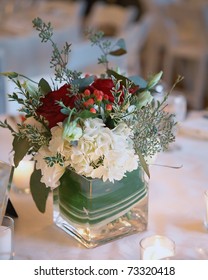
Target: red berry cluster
x,y
97,97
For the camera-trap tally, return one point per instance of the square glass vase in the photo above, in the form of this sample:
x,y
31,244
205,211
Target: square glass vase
x,y
96,212
5,170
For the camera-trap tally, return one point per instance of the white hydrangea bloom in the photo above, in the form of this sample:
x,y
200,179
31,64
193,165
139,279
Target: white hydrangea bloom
x,y
58,143
50,175
100,153
104,153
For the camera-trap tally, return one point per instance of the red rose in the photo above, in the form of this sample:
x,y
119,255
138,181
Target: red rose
x,y
106,85
50,110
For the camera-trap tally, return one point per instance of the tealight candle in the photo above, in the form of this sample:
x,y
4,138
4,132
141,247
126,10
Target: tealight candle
x,y
6,238
206,209
156,247
22,173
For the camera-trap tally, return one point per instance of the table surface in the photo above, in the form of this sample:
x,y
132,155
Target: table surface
x,y
176,210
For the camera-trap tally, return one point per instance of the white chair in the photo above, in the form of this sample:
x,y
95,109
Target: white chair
x,y
187,51
110,18
157,38
136,36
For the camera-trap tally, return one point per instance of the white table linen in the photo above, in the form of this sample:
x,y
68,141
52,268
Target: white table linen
x,y
176,209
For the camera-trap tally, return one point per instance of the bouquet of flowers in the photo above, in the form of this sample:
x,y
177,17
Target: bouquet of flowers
x,y
100,127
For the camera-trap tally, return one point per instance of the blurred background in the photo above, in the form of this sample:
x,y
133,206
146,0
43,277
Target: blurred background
x,y
168,35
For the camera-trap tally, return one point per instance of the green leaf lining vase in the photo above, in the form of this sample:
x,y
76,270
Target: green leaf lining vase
x,y
96,212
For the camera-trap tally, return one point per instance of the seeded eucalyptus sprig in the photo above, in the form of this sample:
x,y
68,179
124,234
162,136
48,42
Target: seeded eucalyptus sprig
x,y
153,129
45,29
106,46
59,58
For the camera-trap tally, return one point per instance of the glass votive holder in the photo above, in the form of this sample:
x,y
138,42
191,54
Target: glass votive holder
x,y
177,105
5,170
6,238
206,209
156,247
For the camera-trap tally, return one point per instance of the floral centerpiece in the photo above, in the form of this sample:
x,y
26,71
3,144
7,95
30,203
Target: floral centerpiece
x,y
92,139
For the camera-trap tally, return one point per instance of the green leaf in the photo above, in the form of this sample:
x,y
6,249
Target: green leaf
x,y
9,74
143,98
121,48
143,162
39,191
86,114
113,73
135,80
65,111
110,123
20,147
154,80
138,81
44,86
83,82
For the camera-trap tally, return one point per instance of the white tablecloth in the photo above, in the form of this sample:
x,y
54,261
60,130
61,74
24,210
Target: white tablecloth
x,y
176,209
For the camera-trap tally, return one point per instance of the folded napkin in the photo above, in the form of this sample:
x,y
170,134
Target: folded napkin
x,y
195,125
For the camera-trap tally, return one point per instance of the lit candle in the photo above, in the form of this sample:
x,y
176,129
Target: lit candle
x,y
5,242
156,247
6,239
22,173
